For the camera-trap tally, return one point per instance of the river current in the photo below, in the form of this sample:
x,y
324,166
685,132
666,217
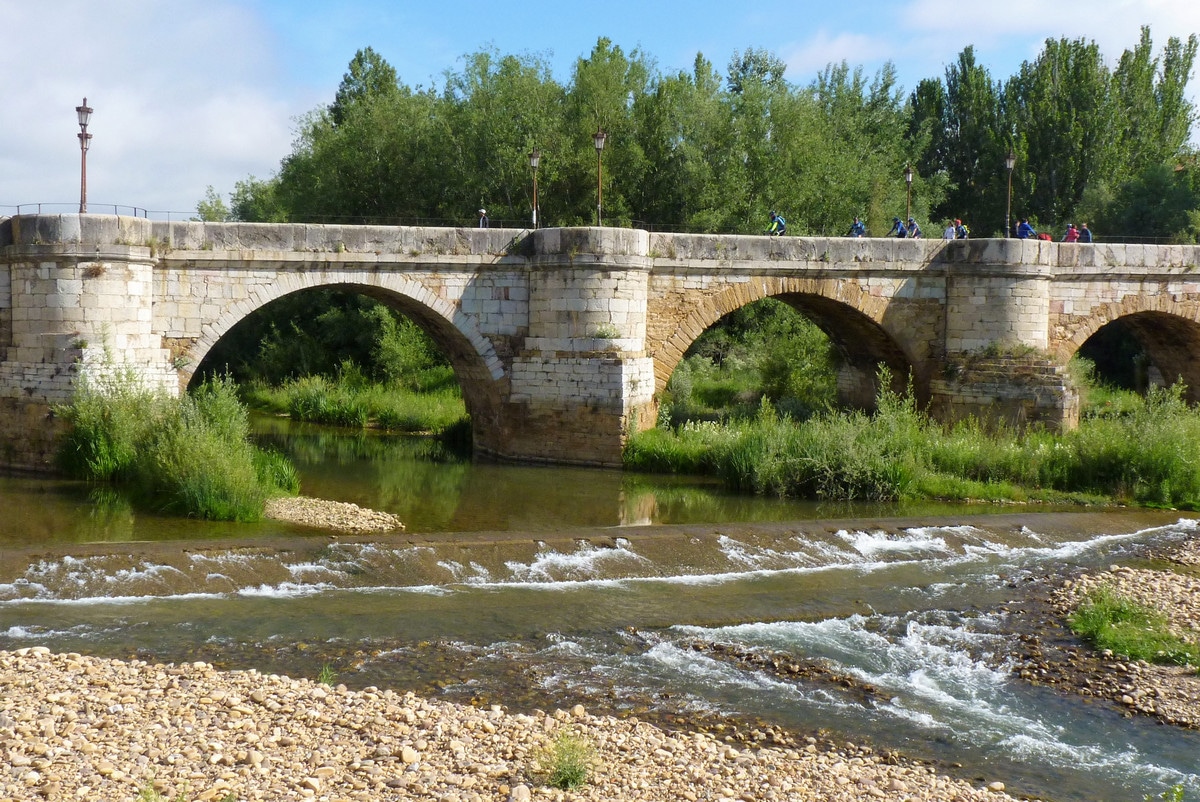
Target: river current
x,y
543,587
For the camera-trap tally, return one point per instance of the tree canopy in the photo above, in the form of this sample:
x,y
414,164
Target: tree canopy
x,y
697,151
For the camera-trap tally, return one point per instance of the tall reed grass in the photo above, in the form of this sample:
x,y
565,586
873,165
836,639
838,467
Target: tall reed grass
x,y
1148,455
190,455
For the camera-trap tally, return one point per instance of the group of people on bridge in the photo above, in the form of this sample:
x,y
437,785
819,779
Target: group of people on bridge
x,y
955,229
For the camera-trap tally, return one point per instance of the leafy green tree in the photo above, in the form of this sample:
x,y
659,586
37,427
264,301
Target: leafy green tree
x,y
493,113
972,143
256,200
603,91
212,209
1062,110
1151,103
369,77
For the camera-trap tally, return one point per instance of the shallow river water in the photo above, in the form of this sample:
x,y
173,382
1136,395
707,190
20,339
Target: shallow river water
x,y
540,587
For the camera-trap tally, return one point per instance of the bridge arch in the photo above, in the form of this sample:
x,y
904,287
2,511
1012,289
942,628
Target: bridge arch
x,y
479,370
855,321
1167,332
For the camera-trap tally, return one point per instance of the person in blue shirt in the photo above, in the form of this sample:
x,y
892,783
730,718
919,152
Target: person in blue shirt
x,y
778,225
914,230
1024,230
898,229
857,229
1085,233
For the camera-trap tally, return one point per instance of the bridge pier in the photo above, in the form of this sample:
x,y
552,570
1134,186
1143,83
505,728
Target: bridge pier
x,y
996,366
70,309
583,380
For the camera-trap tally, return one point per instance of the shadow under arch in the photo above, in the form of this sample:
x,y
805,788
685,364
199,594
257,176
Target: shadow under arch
x,y
470,355
854,327
1143,349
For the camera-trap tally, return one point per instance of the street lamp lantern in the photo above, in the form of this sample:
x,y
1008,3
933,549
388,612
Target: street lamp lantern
x,y
1010,161
535,158
598,140
84,113
908,177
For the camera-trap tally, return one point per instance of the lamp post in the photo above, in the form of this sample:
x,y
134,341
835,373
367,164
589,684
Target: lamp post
x,y
85,140
535,157
908,176
1010,161
598,140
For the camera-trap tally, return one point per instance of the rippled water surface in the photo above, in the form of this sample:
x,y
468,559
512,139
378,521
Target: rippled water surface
x,y
540,586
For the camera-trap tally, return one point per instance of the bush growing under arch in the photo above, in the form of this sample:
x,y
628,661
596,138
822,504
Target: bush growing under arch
x,y
190,455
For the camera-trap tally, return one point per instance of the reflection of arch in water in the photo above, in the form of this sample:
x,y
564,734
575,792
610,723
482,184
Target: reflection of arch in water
x,y
476,365
1166,333
855,321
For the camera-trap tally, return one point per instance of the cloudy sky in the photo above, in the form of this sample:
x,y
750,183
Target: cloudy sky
x,y
196,93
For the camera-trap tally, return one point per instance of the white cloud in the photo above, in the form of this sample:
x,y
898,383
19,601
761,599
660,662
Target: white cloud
x,y
808,58
186,94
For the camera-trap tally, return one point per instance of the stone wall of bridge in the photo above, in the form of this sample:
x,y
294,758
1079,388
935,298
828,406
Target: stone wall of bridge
x,y
564,339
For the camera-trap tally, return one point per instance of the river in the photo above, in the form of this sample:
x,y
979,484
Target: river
x,y
542,586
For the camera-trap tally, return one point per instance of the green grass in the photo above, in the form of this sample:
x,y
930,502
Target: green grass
x,y
359,404
1111,621
566,762
327,675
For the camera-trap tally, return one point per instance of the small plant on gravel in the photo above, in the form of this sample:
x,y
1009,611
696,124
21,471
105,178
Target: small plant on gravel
x,y
1109,620
327,676
151,794
565,762
1172,794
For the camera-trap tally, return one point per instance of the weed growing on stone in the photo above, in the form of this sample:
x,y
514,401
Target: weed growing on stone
x,y
149,793
565,762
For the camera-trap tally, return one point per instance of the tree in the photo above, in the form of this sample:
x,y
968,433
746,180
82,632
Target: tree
x,y
1151,103
493,113
212,209
368,77
972,143
1061,106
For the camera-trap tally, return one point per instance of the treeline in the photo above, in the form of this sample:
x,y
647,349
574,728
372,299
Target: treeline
x,y
702,150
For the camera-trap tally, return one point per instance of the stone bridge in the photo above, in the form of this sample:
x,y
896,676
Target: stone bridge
x,y
564,339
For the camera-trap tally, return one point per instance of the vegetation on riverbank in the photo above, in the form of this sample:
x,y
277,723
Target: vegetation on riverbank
x,y
189,455
1145,455
359,403
1108,620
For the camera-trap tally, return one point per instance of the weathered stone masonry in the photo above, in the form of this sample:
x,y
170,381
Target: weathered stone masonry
x,y
563,339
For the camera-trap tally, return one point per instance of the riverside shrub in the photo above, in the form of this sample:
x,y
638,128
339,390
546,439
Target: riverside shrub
x,y
190,455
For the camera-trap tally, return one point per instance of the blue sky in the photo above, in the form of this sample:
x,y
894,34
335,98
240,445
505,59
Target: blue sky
x,y
193,93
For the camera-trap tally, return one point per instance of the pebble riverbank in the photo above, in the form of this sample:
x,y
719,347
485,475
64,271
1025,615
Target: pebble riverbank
x,y
83,728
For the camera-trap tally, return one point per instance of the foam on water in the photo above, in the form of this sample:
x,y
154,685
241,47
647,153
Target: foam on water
x,y
586,562
872,544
